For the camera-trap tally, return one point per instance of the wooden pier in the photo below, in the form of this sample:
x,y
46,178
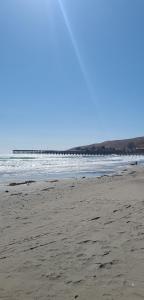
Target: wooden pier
x,y
81,152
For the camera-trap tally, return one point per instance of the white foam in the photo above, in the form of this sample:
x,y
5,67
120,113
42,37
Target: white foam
x,y
45,166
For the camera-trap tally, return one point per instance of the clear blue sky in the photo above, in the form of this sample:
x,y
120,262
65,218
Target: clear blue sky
x,y
71,72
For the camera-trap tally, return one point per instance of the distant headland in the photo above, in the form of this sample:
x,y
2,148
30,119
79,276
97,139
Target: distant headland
x,y
120,147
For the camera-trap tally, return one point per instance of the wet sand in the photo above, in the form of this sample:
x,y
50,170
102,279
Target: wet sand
x,y
73,239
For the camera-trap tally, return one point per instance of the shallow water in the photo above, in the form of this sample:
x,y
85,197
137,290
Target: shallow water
x,y
41,167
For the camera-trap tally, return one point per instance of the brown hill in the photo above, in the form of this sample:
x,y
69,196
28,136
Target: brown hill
x,y
129,145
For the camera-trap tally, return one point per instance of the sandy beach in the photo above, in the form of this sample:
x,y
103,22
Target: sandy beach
x,y
73,239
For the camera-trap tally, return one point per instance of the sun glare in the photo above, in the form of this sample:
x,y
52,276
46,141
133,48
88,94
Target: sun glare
x,y
77,51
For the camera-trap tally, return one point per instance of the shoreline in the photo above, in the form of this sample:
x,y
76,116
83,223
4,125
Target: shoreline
x,y
74,238
47,169
28,180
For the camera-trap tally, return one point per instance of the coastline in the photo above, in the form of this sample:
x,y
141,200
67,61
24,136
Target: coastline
x,y
42,167
73,238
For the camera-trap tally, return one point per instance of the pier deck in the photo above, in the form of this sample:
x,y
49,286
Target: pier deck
x,y
80,152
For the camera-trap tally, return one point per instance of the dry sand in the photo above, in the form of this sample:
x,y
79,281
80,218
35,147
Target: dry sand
x,y
73,239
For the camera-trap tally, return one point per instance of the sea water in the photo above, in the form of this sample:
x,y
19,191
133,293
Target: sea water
x,y
42,167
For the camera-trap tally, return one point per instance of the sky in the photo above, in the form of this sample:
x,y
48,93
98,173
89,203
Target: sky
x,y
71,72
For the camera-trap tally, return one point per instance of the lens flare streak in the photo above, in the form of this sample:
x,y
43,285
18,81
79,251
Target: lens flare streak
x,y
76,50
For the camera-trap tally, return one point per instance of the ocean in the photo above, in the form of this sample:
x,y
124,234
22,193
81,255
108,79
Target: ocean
x,y
43,167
